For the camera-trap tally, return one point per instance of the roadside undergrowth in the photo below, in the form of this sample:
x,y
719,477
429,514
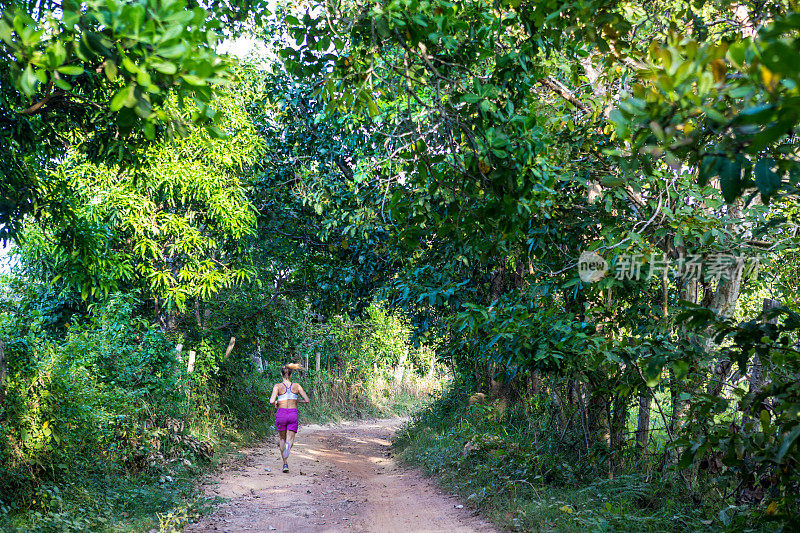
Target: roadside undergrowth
x,y
526,482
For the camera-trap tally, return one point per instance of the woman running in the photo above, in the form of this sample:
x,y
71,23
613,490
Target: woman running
x,y
285,396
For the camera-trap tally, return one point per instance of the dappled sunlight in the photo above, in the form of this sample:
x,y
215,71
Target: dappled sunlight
x,y
548,252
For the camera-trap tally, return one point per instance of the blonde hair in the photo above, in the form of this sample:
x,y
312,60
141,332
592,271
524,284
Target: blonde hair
x,y
287,369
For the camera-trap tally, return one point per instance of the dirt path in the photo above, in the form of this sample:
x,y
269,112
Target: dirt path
x,y
342,479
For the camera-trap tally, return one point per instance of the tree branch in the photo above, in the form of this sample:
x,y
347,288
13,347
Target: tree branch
x,y
560,89
49,95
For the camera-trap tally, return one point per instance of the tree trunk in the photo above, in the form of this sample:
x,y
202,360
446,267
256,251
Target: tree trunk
x,y
257,363
619,417
724,303
3,374
206,318
165,321
756,374
533,386
643,423
497,285
676,387
597,408
518,275
560,411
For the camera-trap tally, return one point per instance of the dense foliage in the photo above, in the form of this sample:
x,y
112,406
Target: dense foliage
x,y
511,137
587,210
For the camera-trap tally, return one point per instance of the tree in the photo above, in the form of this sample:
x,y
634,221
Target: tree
x,y
95,76
172,226
505,155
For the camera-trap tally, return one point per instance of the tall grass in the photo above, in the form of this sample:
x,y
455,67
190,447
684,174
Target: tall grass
x,y
529,482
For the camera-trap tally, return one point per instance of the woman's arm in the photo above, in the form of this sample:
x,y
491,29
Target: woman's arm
x,y
303,394
273,399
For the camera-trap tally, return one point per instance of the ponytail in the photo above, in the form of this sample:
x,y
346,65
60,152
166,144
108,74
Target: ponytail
x,y
287,369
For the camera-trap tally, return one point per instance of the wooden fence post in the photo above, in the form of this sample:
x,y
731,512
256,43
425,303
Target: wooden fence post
x,y
257,360
258,363
190,367
178,350
230,347
318,356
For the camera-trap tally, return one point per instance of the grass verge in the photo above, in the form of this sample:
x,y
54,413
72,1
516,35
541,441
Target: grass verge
x,y
93,493
523,482
103,496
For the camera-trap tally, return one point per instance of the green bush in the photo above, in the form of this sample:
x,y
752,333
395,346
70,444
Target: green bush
x,y
526,480
104,397
102,417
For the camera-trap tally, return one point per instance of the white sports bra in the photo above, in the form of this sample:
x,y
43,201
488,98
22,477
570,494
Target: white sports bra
x,y
288,395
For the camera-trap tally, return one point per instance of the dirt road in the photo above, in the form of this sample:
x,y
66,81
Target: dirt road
x,y
341,479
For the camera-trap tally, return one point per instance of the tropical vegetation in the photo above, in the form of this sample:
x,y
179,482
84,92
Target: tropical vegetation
x,y
581,215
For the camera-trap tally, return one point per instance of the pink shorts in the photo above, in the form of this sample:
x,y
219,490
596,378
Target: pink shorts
x,y
287,420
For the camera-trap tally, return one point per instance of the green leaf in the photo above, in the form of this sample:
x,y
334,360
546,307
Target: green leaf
x,y
781,58
62,84
787,443
166,67
709,167
143,107
70,70
687,458
191,79
681,368
737,51
765,420
373,108
110,69
757,114
767,180
172,52
136,16
27,81
730,172
122,98
5,33
217,133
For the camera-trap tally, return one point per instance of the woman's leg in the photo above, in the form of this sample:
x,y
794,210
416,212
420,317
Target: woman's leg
x,y
292,425
289,442
282,443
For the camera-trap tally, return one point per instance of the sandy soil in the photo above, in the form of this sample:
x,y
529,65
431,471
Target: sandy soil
x,y
341,479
